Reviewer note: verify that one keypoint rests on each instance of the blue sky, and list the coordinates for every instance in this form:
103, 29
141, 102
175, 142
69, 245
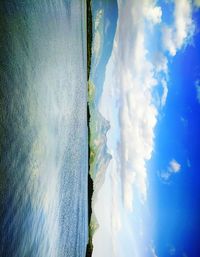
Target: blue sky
151, 97
177, 199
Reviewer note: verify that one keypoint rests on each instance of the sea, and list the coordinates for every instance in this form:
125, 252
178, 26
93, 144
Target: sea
43, 128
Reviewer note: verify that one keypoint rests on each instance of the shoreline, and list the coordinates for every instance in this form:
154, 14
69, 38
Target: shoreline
89, 248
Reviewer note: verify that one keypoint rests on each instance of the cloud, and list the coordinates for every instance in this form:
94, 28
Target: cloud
153, 14
165, 93
173, 167
127, 102
181, 31
160, 62
197, 85
98, 36
137, 116
165, 175
130, 78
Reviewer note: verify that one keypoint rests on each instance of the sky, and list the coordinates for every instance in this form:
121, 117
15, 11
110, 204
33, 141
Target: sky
149, 203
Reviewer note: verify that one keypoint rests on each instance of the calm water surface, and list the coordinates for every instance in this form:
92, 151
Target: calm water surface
43, 128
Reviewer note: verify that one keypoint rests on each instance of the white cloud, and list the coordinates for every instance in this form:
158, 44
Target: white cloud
197, 84
153, 14
131, 78
174, 166
98, 37
165, 175
177, 35
165, 92
128, 103
129, 81
161, 63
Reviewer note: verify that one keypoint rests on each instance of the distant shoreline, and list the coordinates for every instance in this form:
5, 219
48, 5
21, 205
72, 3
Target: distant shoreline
90, 182
89, 37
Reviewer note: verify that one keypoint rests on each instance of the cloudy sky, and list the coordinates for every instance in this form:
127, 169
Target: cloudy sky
148, 205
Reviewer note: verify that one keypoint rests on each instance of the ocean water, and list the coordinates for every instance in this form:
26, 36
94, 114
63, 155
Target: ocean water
43, 128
